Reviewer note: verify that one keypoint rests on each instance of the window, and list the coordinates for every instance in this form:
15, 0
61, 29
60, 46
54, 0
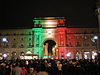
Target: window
22, 53
70, 44
30, 45
21, 46
37, 45
94, 44
22, 39
86, 44
85, 32
78, 44
29, 33
67, 45
29, 39
22, 34
14, 45
14, 34
5, 45
7, 34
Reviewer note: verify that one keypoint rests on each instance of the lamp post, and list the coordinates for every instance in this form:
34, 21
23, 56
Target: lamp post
4, 40
4, 56
95, 40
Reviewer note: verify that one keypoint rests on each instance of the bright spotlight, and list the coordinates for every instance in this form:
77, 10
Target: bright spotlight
4, 39
68, 54
95, 54
50, 22
95, 37
4, 55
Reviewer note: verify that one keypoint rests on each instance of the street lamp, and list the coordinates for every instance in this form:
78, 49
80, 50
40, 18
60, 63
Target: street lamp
95, 40
94, 54
4, 39
4, 55
95, 37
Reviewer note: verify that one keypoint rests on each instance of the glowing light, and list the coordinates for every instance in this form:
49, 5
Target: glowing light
94, 54
85, 56
38, 39
68, 54
53, 49
4, 55
28, 52
28, 57
22, 57
92, 40
86, 52
44, 57
4, 39
1, 58
95, 37
49, 33
50, 22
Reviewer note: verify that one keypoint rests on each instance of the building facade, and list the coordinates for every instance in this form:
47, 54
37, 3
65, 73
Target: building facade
50, 38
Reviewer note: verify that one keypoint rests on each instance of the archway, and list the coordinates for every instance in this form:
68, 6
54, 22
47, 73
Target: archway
49, 50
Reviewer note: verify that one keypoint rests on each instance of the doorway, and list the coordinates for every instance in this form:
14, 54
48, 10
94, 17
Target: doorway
49, 50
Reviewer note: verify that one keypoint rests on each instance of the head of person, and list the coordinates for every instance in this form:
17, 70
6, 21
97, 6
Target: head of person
42, 73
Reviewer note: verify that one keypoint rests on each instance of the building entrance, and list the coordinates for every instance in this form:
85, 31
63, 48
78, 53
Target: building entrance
49, 49
49, 28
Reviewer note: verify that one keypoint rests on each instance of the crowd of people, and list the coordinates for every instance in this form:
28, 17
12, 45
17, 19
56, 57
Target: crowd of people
50, 67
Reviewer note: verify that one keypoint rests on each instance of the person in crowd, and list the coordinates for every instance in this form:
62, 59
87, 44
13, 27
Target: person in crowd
7, 69
24, 71
2, 69
42, 73
41, 66
59, 66
16, 70
50, 67
31, 71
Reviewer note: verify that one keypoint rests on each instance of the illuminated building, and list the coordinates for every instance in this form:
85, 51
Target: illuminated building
68, 43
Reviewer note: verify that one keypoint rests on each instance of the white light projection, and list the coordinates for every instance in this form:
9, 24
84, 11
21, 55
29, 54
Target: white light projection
49, 33
50, 23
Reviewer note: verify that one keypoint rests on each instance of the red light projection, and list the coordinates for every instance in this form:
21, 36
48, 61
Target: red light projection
61, 41
61, 21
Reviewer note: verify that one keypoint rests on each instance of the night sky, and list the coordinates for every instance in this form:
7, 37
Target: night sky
19, 13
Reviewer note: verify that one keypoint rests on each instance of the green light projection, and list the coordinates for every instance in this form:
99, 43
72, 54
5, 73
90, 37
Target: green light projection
38, 40
37, 23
